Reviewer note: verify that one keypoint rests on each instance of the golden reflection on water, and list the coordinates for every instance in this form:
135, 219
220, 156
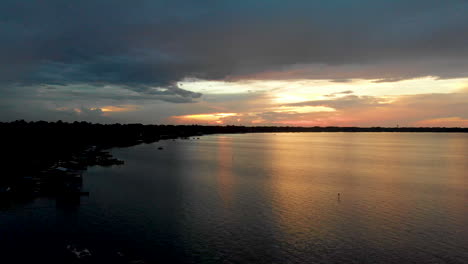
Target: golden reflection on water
296, 203
398, 191
388, 184
456, 173
224, 173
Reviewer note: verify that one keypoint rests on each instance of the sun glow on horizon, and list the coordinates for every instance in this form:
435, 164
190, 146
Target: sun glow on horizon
304, 109
205, 118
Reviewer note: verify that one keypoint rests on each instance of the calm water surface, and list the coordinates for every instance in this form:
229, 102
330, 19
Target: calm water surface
261, 198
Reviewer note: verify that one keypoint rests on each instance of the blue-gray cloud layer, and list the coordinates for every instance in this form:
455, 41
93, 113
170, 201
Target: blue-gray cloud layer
155, 43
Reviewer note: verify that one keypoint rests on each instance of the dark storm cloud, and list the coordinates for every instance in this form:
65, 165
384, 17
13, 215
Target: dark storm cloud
156, 43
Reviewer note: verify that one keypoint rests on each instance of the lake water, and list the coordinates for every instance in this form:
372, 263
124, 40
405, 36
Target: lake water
260, 198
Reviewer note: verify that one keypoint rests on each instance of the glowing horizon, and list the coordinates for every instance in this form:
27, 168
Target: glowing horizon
324, 102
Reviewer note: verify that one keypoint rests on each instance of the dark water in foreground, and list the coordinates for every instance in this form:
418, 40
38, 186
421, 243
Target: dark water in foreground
261, 198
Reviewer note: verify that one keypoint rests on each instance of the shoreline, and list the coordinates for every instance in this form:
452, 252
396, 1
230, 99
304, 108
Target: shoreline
45, 158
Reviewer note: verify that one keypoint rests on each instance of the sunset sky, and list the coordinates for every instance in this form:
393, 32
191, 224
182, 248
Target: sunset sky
243, 62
